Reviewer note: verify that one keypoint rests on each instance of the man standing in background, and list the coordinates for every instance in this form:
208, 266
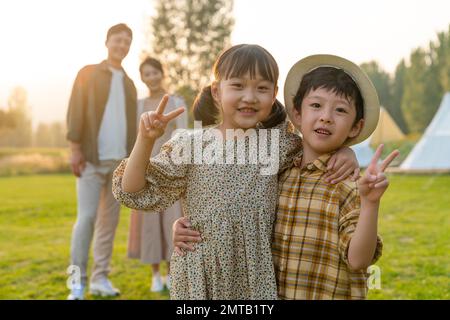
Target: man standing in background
101, 121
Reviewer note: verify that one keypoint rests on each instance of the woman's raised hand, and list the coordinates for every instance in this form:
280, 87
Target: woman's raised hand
153, 123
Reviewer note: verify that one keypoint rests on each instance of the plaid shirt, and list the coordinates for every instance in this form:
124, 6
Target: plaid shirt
315, 222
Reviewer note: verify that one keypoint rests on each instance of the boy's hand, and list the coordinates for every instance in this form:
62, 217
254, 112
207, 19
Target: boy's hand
182, 235
341, 165
374, 182
153, 123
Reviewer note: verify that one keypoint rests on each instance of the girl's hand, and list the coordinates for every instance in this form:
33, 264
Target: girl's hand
341, 165
374, 182
153, 123
182, 235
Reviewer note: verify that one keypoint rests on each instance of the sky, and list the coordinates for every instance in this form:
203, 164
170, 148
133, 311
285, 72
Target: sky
44, 43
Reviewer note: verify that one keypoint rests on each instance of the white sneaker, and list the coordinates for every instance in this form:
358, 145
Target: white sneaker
76, 293
157, 284
104, 288
168, 282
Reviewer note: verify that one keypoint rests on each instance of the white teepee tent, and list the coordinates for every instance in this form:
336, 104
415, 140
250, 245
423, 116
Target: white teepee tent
432, 152
364, 152
386, 130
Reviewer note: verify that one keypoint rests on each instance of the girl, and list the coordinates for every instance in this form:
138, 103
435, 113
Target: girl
150, 234
232, 205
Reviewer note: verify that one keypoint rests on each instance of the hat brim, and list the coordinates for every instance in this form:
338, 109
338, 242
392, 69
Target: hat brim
367, 89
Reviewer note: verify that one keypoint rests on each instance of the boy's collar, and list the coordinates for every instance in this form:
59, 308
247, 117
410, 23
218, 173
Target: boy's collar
320, 163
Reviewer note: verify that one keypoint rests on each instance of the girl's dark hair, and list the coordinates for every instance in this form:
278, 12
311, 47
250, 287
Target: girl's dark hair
151, 62
277, 115
236, 62
205, 110
335, 80
246, 58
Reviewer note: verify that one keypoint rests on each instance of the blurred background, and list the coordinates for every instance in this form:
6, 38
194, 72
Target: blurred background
404, 46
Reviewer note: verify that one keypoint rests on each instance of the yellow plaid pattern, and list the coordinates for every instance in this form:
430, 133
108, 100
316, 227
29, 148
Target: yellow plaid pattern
315, 222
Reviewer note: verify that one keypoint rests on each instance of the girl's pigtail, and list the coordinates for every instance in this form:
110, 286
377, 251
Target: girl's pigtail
277, 115
204, 108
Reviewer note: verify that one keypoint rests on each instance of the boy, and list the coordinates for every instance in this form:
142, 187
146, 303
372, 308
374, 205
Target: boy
101, 123
325, 235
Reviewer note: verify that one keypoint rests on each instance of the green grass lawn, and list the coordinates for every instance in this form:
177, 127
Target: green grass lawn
37, 214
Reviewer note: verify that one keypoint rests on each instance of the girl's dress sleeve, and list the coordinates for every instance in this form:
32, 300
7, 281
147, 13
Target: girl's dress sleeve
165, 178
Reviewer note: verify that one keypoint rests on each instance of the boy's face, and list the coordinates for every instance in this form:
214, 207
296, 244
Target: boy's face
118, 45
326, 121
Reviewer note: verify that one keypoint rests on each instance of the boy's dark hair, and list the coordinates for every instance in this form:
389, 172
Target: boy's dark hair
205, 110
335, 80
119, 28
152, 62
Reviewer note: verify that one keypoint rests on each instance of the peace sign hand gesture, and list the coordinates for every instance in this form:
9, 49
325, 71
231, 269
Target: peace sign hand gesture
153, 123
374, 182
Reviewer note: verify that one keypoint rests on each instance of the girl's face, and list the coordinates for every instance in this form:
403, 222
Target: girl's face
244, 101
152, 77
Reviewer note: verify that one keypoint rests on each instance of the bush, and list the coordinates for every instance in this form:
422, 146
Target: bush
17, 161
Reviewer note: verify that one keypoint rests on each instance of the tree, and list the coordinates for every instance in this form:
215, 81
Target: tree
6, 120
187, 36
17, 131
7, 125
50, 135
42, 136
57, 131
381, 80
386, 89
418, 112
426, 80
440, 59
398, 84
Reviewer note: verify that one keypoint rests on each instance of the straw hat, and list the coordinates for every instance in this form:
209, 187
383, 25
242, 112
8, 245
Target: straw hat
368, 91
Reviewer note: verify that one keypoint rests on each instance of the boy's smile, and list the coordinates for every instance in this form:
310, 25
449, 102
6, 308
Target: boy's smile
326, 121
323, 131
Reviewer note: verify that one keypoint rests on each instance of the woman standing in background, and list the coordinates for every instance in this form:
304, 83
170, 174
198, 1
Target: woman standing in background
150, 233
